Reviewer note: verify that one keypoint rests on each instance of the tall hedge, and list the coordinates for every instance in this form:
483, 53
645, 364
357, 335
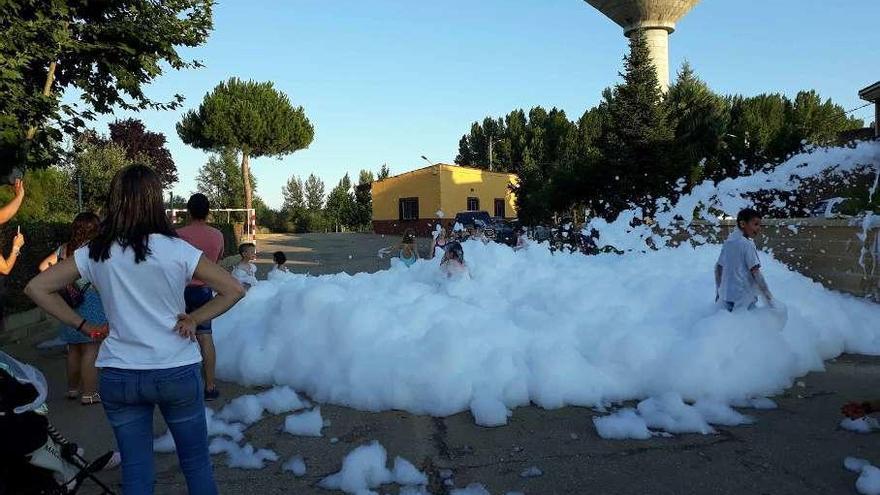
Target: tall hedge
43, 238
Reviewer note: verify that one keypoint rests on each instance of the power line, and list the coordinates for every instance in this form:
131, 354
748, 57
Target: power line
859, 108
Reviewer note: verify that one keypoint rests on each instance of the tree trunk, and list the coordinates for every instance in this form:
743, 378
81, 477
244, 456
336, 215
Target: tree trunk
246, 177
47, 90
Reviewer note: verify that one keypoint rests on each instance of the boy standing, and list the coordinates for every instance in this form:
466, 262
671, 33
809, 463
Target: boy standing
210, 241
738, 278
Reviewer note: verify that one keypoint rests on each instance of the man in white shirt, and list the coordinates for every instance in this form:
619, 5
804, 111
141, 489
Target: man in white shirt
738, 278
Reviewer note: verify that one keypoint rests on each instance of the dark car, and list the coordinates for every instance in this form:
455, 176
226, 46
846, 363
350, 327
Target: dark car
505, 232
496, 229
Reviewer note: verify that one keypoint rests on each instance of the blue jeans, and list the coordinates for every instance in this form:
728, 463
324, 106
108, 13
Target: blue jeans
195, 298
129, 398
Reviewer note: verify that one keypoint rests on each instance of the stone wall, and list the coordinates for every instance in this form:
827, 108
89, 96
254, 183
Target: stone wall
839, 253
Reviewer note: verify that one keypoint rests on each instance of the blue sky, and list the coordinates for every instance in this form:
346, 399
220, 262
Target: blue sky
386, 81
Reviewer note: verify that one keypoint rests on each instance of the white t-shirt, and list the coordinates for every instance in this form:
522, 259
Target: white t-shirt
245, 275
142, 301
738, 256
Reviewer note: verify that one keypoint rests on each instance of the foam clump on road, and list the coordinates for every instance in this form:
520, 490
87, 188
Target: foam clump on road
667, 414
241, 456
248, 409
365, 468
306, 424
868, 482
865, 424
296, 465
529, 326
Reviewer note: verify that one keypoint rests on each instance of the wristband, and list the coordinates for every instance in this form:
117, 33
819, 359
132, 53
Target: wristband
81, 325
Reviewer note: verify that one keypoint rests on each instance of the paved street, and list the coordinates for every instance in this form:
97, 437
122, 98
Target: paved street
795, 449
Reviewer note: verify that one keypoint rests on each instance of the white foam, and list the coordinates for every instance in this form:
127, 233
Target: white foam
306, 424
865, 424
362, 469
296, 465
405, 473
249, 409
621, 425
241, 456
869, 481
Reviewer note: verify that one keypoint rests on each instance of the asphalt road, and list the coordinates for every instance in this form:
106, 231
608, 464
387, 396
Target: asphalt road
795, 449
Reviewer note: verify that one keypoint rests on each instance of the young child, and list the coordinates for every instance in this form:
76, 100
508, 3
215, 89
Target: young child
453, 260
246, 271
280, 259
408, 250
738, 278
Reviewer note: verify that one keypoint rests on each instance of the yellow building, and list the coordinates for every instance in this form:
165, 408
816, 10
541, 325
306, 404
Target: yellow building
425, 197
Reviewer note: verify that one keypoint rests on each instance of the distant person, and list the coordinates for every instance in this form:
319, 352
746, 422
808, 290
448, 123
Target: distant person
407, 249
280, 260
521, 239
149, 356
246, 271
438, 245
82, 350
453, 260
8, 211
210, 242
738, 278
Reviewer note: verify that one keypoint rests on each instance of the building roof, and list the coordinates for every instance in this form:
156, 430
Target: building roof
447, 166
871, 93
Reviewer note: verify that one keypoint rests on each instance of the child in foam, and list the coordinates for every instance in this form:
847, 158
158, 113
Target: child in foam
408, 250
438, 245
453, 261
246, 271
738, 278
280, 260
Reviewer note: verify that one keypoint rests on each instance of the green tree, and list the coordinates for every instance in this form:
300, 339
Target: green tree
314, 193
637, 137
253, 118
50, 196
292, 192
363, 199
94, 165
220, 180
700, 119
99, 50
384, 172
340, 207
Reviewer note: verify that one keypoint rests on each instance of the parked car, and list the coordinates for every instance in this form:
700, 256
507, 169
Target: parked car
505, 232
478, 219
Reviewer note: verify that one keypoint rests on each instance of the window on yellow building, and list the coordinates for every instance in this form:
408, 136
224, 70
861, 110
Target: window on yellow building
473, 204
499, 208
408, 208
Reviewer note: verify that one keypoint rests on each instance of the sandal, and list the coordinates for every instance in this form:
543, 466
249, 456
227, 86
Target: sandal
72, 394
90, 399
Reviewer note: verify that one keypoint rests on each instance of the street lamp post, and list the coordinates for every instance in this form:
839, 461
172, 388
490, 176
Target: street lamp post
429, 161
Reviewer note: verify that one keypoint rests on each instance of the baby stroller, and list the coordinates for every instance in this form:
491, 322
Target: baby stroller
34, 457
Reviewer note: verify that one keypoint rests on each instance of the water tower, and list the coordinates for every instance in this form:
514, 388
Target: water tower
656, 17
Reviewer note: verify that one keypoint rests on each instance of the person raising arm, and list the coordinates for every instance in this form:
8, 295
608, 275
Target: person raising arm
7, 263
11, 208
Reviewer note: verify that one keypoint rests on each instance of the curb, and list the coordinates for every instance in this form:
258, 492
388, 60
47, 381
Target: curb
27, 325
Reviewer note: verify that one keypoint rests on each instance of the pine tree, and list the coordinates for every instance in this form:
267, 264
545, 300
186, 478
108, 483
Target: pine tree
384, 172
699, 119
314, 193
637, 136
363, 199
292, 192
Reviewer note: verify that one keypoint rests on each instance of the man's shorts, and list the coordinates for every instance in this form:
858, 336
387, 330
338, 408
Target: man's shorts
195, 298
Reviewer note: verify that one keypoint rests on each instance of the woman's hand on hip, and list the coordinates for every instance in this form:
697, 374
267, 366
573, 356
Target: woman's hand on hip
186, 326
